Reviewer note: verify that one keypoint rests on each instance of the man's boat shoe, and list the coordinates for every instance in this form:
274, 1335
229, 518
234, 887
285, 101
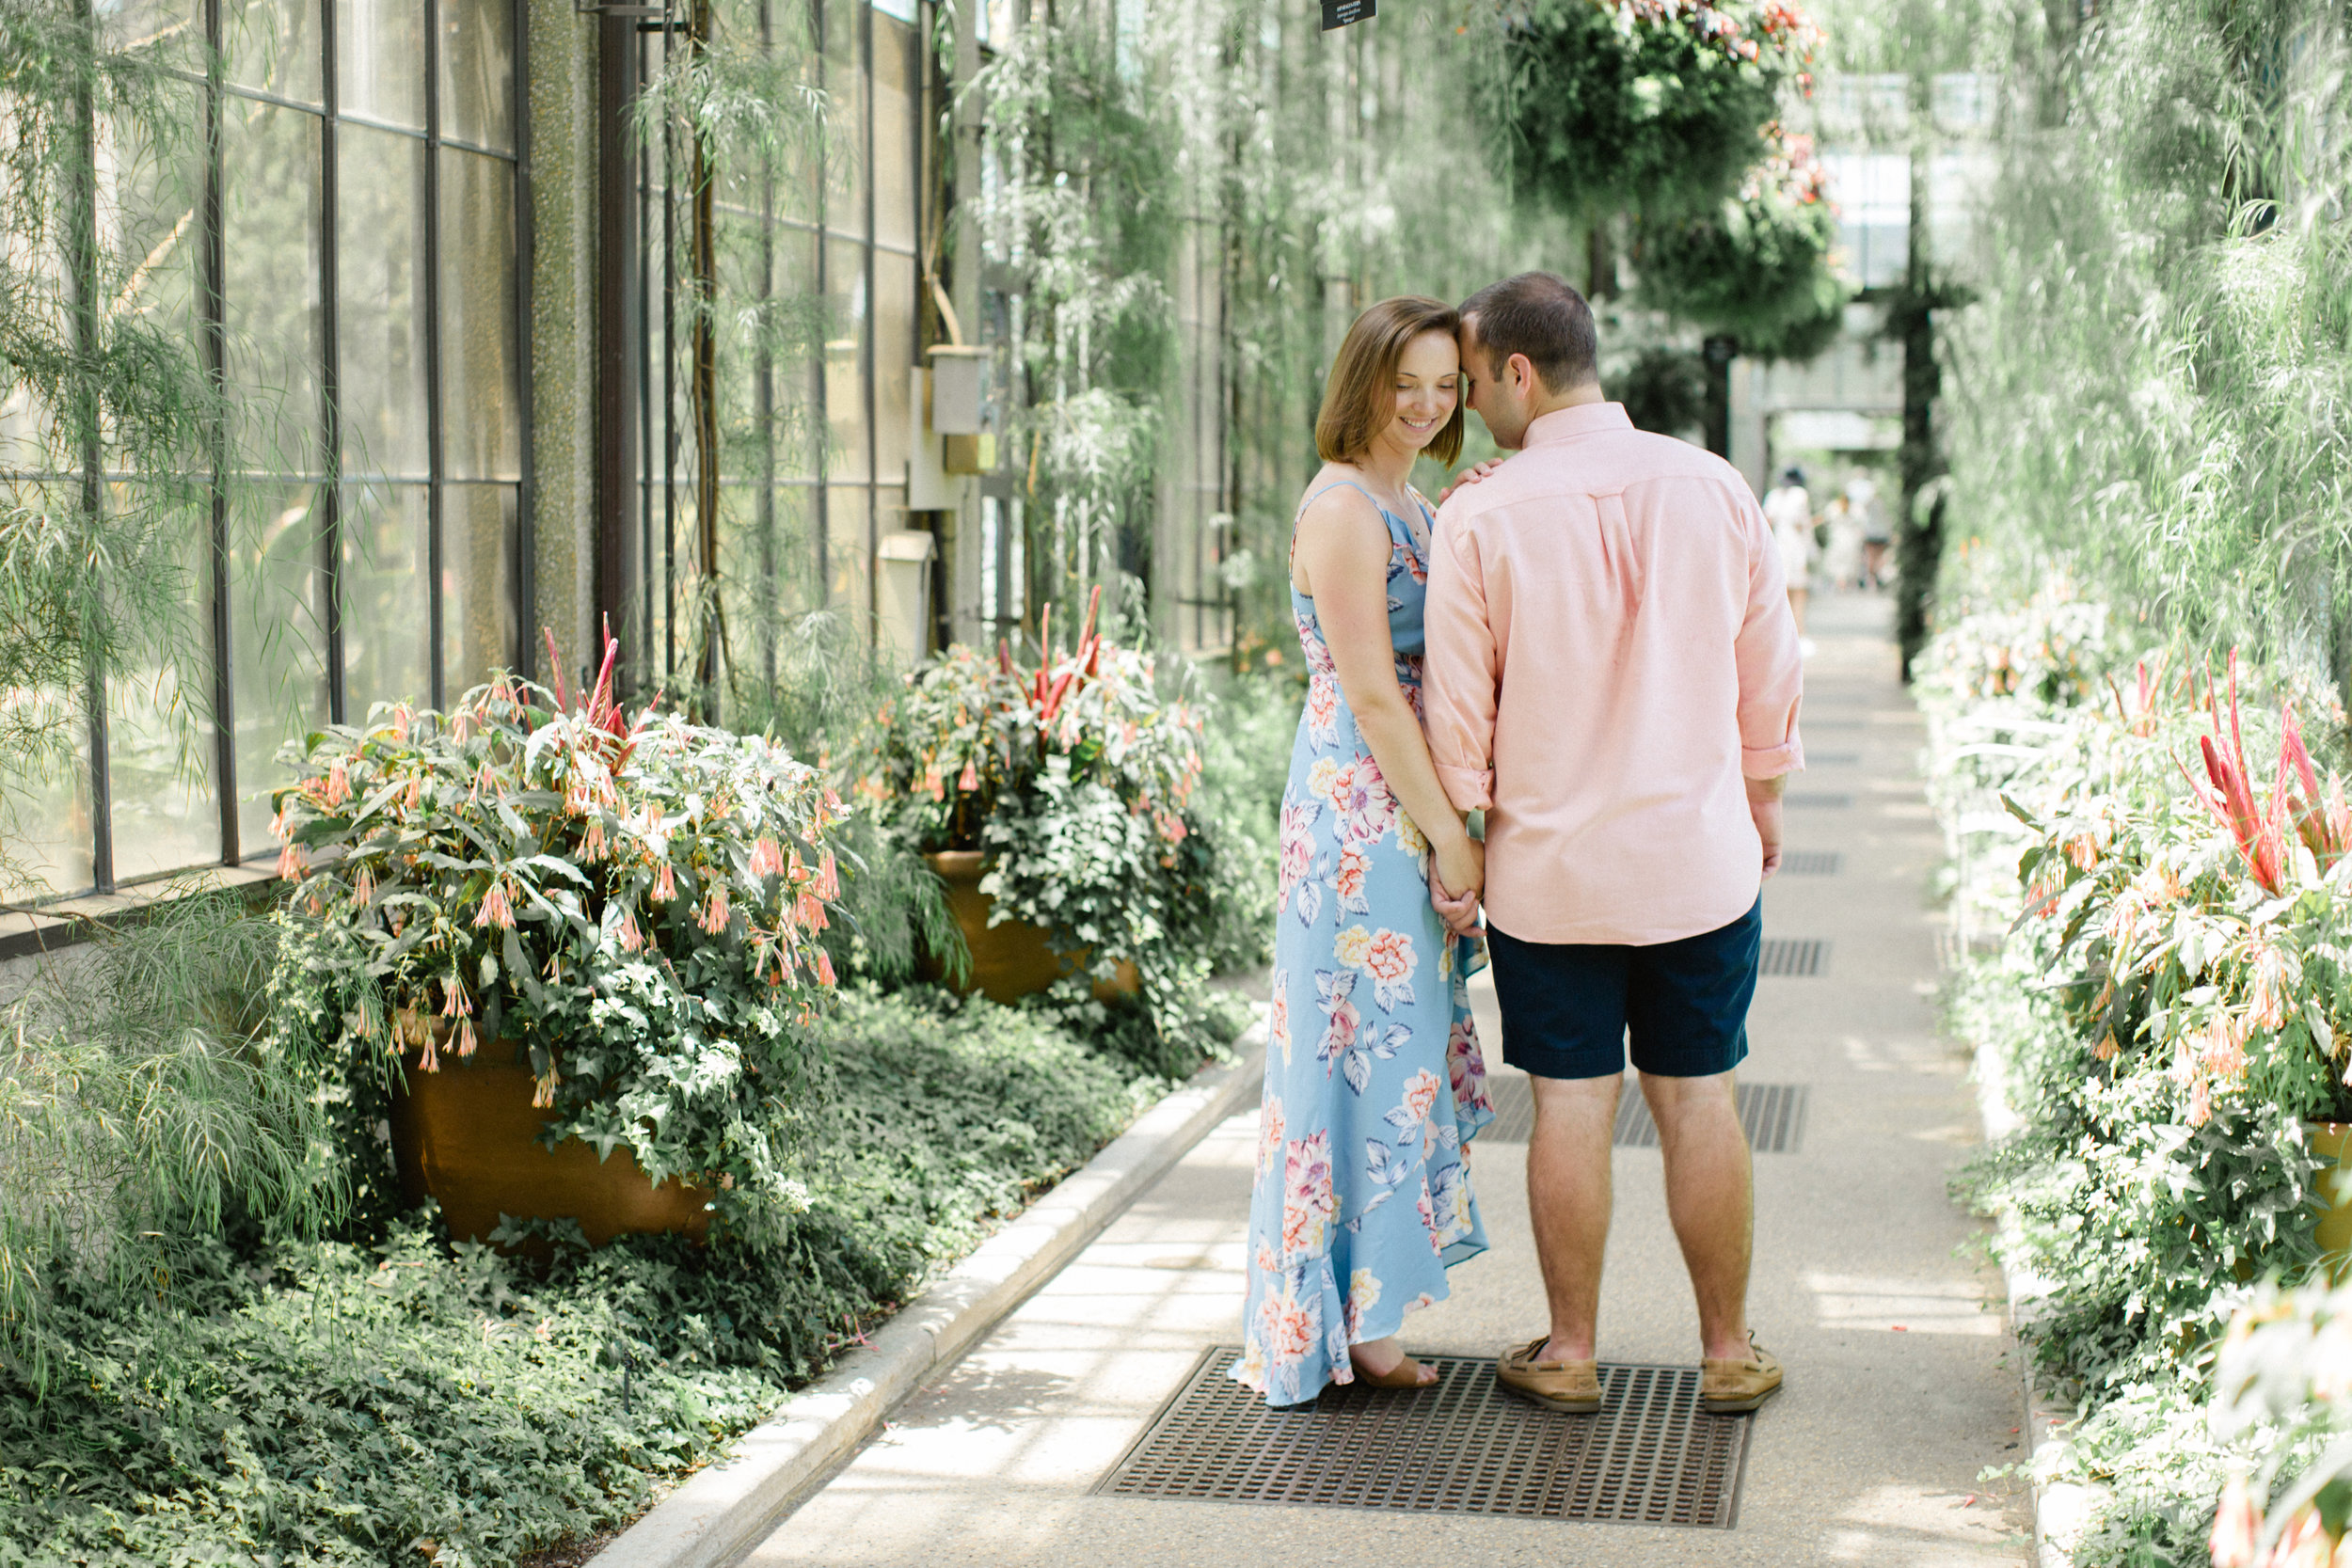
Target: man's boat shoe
1730, 1388
1571, 1385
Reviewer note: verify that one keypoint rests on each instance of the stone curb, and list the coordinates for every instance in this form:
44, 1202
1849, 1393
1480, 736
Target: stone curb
724, 1511
2060, 1510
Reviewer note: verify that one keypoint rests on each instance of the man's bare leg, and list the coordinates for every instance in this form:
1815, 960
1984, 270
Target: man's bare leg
1567, 1202
1710, 1198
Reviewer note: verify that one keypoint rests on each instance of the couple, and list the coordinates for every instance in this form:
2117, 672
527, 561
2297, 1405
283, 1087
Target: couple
1591, 644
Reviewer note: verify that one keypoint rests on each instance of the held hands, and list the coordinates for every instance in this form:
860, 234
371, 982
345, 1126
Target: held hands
1470, 476
1458, 877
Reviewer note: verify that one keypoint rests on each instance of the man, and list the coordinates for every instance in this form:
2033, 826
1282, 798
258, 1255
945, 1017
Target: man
1613, 677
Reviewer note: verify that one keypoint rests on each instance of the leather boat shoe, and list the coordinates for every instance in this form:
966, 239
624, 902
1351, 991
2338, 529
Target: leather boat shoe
1728, 1387
1571, 1385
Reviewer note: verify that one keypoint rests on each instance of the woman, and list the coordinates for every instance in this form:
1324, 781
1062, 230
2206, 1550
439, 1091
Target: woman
1789, 508
1373, 1079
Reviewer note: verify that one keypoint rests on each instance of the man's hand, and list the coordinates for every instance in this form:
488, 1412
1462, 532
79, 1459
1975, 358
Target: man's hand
1470, 476
1764, 810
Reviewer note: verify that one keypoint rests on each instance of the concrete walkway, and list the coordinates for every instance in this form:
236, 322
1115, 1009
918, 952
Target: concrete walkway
1902, 1383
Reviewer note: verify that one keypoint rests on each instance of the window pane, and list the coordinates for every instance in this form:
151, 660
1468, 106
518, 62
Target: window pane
845, 95
477, 583
848, 550
895, 53
44, 770
846, 456
894, 360
270, 245
387, 622
798, 349
272, 46
480, 405
278, 635
159, 752
379, 267
379, 61
478, 73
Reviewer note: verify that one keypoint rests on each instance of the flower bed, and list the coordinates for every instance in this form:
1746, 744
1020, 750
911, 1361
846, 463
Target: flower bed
2150, 869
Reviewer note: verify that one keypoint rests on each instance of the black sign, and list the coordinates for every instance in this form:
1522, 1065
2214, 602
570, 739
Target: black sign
1341, 13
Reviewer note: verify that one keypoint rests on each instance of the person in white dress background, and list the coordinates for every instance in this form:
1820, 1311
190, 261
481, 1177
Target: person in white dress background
1788, 509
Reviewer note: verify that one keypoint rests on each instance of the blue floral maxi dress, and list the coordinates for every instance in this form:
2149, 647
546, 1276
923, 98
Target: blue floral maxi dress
1373, 1079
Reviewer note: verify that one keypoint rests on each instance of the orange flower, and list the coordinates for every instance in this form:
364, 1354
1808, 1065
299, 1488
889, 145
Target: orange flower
665, 885
2236, 1525
824, 967
714, 917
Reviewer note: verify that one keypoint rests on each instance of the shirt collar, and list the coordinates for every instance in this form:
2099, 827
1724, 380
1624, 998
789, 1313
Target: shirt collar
1585, 419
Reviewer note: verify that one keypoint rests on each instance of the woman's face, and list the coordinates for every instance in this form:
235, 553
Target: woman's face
1428, 386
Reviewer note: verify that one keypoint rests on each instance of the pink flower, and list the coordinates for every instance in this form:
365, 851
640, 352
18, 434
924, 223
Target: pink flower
1307, 1202
1287, 1324
631, 938
714, 915
1466, 1066
665, 885
1390, 957
1298, 849
338, 783
828, 880
1278, 1029
969, 779
1323, 710
1355, 866
496, 909
1269, 1131
2200, 1102
767, 859
2236, 1525
1421, 1094
824, 967
292, 862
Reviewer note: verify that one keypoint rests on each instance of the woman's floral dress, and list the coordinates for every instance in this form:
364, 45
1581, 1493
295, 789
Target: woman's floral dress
1374, 1081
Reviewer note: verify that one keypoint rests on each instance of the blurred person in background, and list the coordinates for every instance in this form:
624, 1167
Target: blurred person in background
1789, 511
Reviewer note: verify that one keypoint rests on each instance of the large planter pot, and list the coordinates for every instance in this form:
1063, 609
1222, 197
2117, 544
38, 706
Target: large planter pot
2332, 1142
467, 1135
1014, 959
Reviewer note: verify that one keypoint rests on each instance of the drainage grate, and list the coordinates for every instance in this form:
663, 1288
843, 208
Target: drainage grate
1817, 801
1812, 723
1812, 862
1771, 1115
1793, 956
1833, 759
1463, 1445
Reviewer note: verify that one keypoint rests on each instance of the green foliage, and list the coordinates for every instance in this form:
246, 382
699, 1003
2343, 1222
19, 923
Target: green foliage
1663, 389
1757, 267
1606, 106
139, 1109
325, 1402
634, 904
2156, 380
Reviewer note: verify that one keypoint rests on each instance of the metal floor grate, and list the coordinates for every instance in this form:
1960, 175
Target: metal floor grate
1833, 759
1814, 799
1463, 1445
1812, 722
1812, 862
1802, 956
1771, 1115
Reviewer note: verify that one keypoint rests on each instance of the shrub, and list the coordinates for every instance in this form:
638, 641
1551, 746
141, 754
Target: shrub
633, 904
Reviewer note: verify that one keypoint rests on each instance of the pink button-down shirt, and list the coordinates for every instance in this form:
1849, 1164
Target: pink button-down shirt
1610, 650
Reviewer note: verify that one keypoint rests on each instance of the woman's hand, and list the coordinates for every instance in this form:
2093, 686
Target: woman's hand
1457, 879
1470, 476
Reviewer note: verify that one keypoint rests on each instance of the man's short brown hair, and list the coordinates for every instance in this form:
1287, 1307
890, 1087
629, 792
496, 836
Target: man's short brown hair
1359, 396
1541, 315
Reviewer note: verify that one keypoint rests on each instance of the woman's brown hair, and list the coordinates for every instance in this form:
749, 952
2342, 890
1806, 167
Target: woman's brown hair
1359, 398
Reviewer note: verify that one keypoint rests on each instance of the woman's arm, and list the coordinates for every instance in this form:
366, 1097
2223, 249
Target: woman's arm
1343, 552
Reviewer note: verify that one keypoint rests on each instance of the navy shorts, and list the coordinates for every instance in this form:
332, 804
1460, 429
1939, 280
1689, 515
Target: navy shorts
1569, 1007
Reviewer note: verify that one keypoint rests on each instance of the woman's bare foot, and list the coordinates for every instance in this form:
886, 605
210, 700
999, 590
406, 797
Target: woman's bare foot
1379, 1358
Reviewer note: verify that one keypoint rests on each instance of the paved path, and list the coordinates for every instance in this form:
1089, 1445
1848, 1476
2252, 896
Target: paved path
1901, 1383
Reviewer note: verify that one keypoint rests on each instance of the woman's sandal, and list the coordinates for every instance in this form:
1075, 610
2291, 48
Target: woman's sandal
1405, 1374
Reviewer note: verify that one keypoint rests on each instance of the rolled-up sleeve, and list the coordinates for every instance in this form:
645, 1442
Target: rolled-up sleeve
1770, 663
1462, 669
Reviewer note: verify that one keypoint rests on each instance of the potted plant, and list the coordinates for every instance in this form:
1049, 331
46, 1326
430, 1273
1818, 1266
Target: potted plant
1055, 801
587, 942
1755, 266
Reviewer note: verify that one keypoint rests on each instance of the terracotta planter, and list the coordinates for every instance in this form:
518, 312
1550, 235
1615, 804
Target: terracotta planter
2332, 1142
467, 1135
1014, 959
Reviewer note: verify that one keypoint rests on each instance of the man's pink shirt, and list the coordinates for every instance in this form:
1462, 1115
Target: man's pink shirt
1610, 650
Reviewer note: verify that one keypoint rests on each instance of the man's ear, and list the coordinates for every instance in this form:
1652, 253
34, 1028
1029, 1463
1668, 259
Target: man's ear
1522, 371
